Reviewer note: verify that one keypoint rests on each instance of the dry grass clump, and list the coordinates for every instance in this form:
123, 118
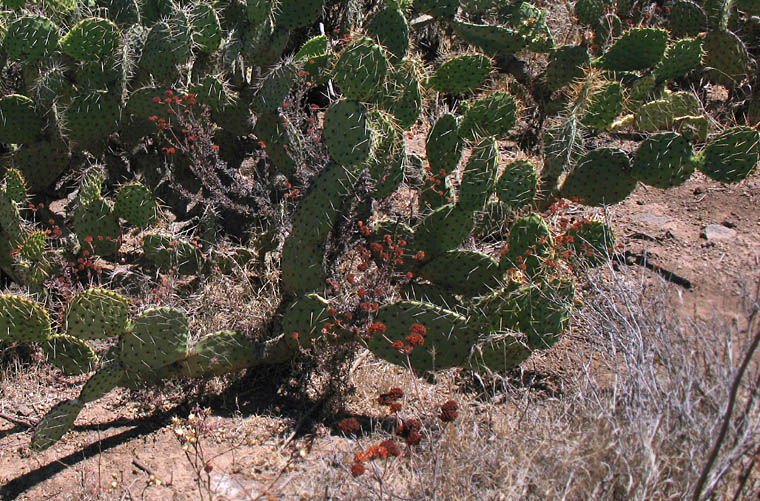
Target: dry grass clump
637, 420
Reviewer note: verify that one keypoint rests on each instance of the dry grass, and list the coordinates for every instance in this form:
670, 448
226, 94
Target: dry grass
636, 412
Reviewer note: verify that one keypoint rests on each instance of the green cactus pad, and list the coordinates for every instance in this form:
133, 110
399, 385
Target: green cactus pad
71, 355
491, 39
167, 46
97, 228
479, 175
432, 294
437, 8
91, 185
402, 97
591, 241
42, 163
207, 29
316, 212
530, 243
540, 311
686, 19
566, 65
147, 102
398, 233
361, 69
437, 191
447, 338
315, 46
159, 336
104, 380
463, 272
444, 146
22, 320
295, 14
259, 11
304, 320
461, 74
601, 177
221, 353
695, 129
390, 29
15, 186
638, 49
443, 229
91, 39
167, 253
19, 121
664, 160
518, 184
663, 113
301, 265
123, 12
55, 424
92, 116
275, 88
681, 58
604, 106
31, 39
346, 134
136, 204
33, 247
725, 58
498, 352
588, 12
491, 115
731, 156
279, 140
97, 314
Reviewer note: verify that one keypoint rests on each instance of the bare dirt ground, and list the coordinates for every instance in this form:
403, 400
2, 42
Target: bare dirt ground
253, 444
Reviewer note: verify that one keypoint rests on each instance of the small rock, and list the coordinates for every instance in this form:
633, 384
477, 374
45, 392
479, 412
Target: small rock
651, 219
728, 224
717, 232
698, 190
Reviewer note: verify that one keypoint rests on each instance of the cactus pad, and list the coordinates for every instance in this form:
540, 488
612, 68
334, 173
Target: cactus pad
207, 29
447, 339
158, 337
346, 133
444, 146
463, 271
55, 424
136, 204
518, 184
295, 14
565, 65
19, 121
601, 177
96, 227
638, 49
97, 314
92, 116
682, 57
91, 39
498, 352
104, 380
479, 175
732, 155
22, 320
726, 59
361, 69
491, 115
390, 29
304, 320
604, 106
591, 241
461, 74
664, 160
686, 19
72, 355
530, 242
31, 39
443, 229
